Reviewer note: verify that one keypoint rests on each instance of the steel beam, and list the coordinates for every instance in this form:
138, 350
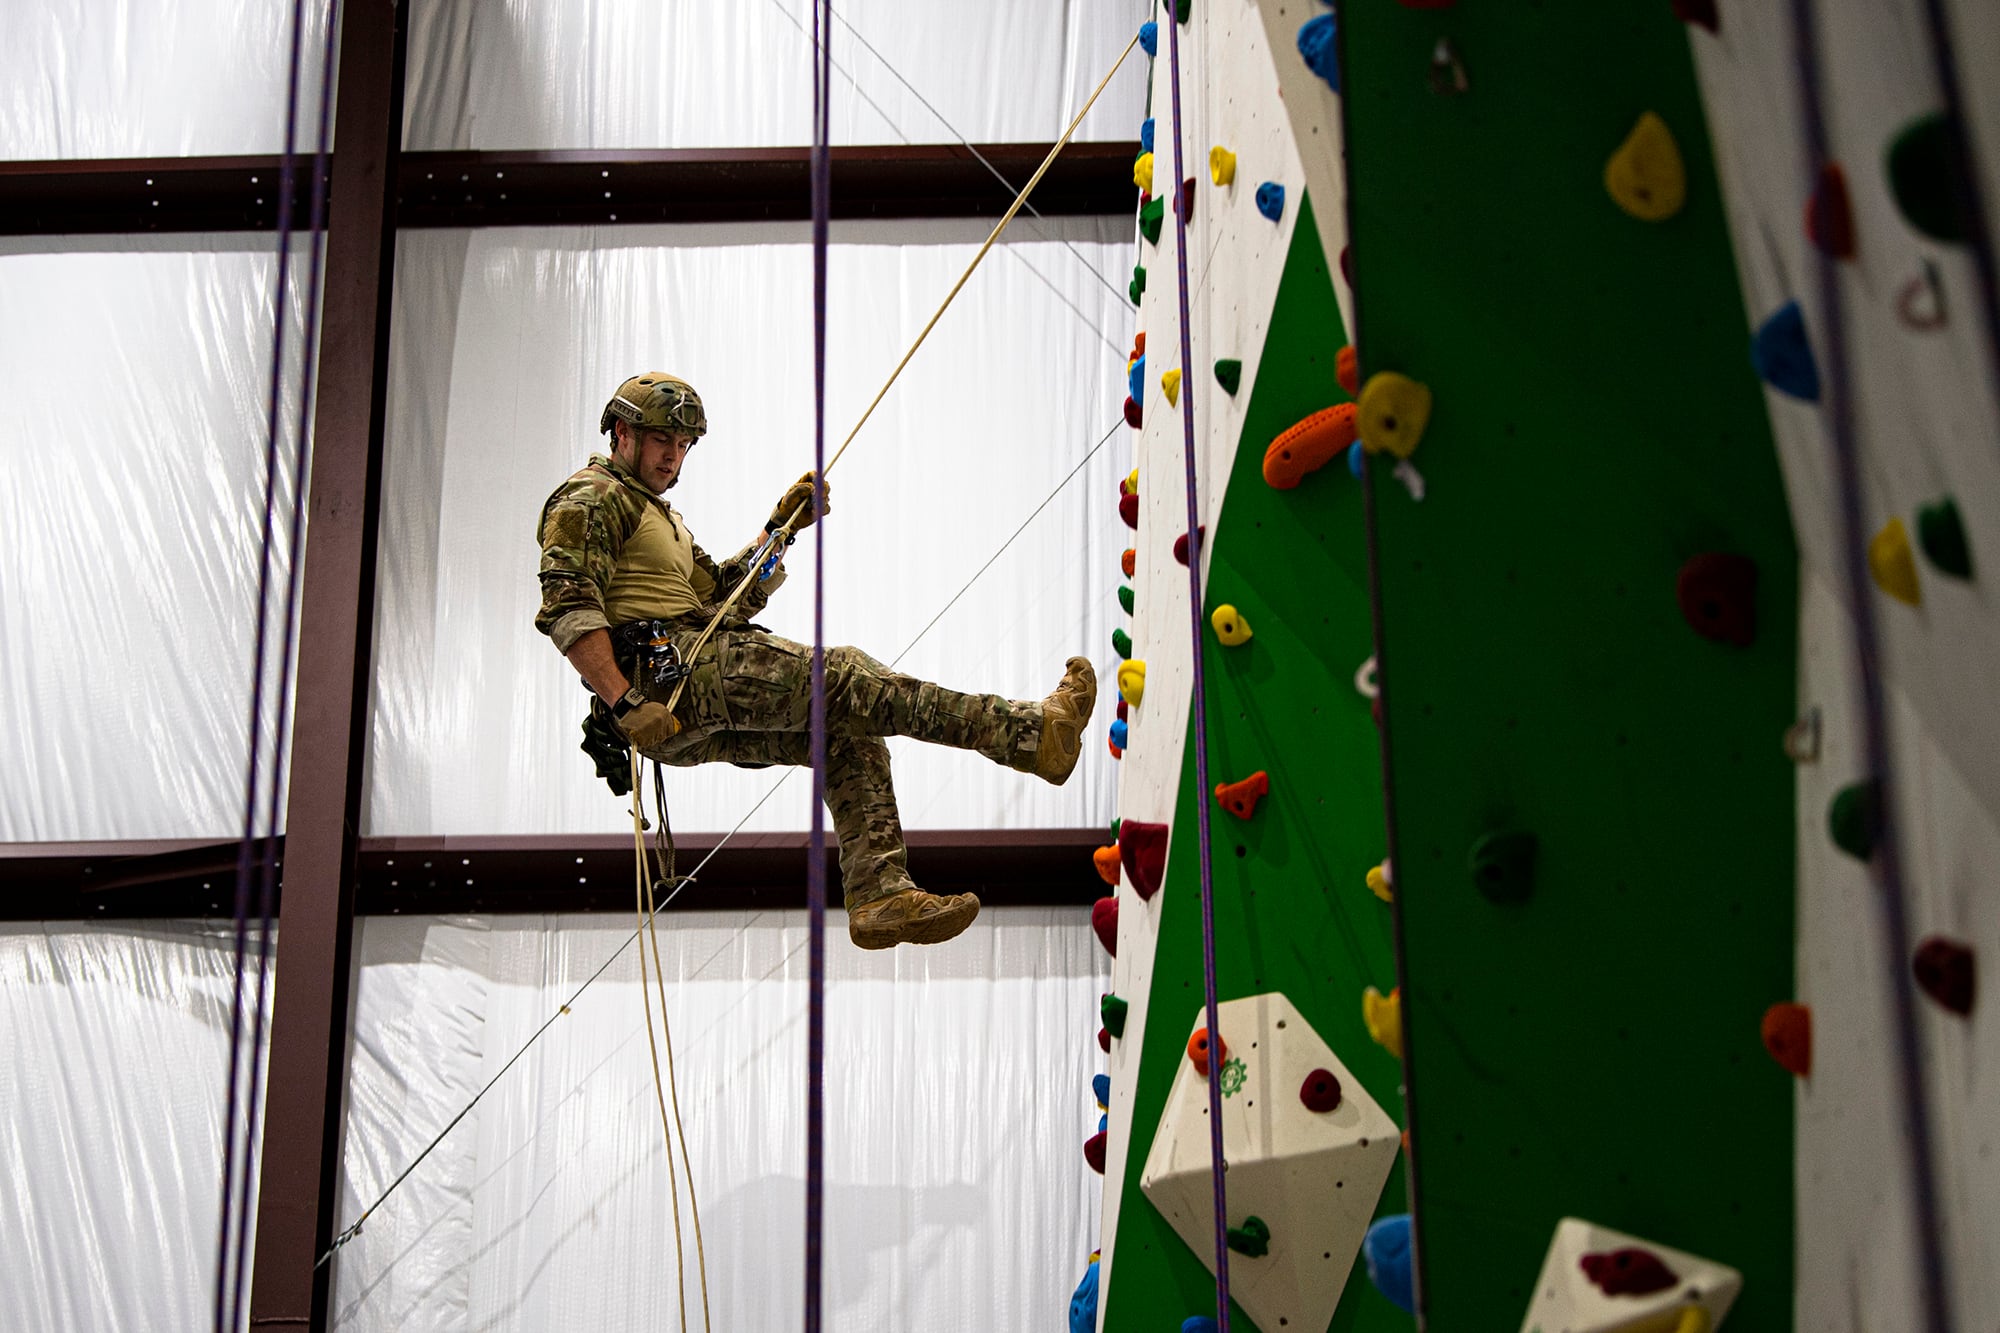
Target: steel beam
614, 188
306, 1084
192, 878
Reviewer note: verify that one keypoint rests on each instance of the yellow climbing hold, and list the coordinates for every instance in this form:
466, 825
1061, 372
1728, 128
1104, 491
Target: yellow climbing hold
1645, 176
1392, 413
1142, 173
1170, 385
1221, 165
1694, 1319
1230, 626
1894, 564
1380, 884
1132, 682
1130, 486
1384, 1016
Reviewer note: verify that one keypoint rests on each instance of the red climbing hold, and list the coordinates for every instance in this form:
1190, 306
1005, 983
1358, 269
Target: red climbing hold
1346, 266
1628, 1272
1093, 1151
1107, 863
1944, 972
1309, 445
1139, 343
1829, 215
1124, 711
1104, 920
1185, 204
1698, 11
1128, 509
1240, 798
1144, 847
1198, 1051
1347, 369
1180, 543
1104, 1040
1133, 417
1788, 1037
1320, 1091
1128, 561
1717, 591
1117, 751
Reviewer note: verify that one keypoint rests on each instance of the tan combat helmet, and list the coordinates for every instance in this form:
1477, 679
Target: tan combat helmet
656, 401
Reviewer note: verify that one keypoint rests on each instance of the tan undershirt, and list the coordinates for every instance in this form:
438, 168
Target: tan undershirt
656, 577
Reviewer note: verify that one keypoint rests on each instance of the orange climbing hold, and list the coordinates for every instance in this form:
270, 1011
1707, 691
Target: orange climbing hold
1240, 798
1788, 1037
1128, 561
1106, 860
1309, 445
1198, 1051
1347, 369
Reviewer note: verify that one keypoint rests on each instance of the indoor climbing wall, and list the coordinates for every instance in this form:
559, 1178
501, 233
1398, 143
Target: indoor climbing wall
1312, 1109
1589, 630
1922, 375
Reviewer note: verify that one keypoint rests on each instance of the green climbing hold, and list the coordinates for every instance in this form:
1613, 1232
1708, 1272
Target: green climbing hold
1923, 176
1138, 287
1252, 1238
1152, 214
1125, 597
1122, 642
1855, 819
1116, 824
1503, 866
1941, 533
1229, 374
1180, 8
1112, 1010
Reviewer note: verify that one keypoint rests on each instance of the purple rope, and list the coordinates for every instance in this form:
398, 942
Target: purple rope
822, 205
1200, 708
228, 1314
301, 456
1887, 859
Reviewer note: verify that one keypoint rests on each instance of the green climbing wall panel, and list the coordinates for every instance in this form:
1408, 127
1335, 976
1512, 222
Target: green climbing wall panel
1292, 911
1594, 1050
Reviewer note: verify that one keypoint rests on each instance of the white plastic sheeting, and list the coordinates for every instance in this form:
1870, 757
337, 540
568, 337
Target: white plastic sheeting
151, 78
738, 73
506, 345
136, 380
958, 1098
115, 1039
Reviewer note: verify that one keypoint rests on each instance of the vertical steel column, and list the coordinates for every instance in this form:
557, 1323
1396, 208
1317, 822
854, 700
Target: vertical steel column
309, 1034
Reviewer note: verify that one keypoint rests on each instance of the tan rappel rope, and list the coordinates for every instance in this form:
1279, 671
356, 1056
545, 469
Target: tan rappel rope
642, 892
643, 885
785, 529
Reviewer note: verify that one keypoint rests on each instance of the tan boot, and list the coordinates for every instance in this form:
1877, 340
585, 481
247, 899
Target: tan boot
910, 917
1064, 716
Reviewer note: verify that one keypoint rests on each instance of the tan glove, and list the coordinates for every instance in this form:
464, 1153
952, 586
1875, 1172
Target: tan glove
646, 723
800, 494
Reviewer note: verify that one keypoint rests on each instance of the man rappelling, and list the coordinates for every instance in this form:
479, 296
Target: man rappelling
626, 596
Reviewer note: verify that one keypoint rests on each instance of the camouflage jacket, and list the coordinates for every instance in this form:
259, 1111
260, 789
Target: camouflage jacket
582, 532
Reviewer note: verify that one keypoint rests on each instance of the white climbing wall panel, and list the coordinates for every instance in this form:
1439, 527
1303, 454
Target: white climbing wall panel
1567, 1301
1929, 426
1312, 1177
1230, 97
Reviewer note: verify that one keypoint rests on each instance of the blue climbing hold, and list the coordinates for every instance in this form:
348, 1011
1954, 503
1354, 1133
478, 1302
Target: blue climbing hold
1146, 136
1119, 731
1083, 1305
1782, 355
1271, 200
1199, 1323
1135, 379
1316, 44
1103, 1123
1354, 459
1149, 37
1100, 1088
1386, 1247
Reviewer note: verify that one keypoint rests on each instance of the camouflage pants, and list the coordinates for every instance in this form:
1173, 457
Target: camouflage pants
749, 701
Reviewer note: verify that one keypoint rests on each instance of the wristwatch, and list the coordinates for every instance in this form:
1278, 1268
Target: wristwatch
630, 700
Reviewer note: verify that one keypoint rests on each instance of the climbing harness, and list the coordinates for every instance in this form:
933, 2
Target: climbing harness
246, 1069
1217, 1163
